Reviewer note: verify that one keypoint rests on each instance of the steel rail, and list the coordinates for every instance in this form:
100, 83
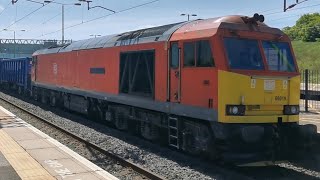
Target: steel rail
122, 161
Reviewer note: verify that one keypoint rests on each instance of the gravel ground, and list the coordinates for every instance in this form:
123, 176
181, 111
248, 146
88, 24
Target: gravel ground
161, 160
89, 153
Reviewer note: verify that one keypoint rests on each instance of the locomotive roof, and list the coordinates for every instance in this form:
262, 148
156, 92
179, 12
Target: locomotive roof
156, 34
160, 33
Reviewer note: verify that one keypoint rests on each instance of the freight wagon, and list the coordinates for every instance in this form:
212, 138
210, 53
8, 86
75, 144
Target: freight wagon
16, 74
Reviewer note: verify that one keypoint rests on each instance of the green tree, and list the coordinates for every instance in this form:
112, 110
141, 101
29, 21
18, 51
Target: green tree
307, 28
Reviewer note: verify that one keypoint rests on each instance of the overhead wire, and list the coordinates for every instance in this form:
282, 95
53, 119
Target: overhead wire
285, 17
268, 10
47, 20
101, 17
50, 19
294, 15
5, 8
291, 16
24, 17
304, 7
35, 2
127, 9
137, 6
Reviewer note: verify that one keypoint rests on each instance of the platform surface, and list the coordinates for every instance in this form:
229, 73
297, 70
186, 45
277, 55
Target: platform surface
6, 170
29, 154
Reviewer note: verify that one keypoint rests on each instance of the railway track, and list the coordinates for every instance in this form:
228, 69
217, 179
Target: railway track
307, 170
137, 168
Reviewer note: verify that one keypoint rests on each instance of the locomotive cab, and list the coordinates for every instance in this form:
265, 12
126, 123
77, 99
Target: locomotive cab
259, 92
248, 90
261, 80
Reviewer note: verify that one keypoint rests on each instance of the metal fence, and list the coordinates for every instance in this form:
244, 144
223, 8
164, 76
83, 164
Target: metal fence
310, 90
14, 48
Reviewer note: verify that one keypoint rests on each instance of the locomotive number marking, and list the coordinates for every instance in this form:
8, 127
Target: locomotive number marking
55, 68
280, 98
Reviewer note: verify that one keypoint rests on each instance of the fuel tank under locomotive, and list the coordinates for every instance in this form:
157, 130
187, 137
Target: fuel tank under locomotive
262, 144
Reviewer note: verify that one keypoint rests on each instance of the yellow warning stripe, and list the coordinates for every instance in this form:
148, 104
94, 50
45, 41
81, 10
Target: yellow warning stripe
26, 167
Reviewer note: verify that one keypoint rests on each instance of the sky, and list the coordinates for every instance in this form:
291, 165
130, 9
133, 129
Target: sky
32, 20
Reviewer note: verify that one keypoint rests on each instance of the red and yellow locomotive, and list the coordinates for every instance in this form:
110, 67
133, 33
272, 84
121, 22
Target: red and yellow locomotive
226, 86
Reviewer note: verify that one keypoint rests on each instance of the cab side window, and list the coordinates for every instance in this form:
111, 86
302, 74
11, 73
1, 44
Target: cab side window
198, 54
189, 54
204, 55
174, 58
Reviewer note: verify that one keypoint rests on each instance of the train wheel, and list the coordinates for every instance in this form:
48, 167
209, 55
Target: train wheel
120, 121
149, 131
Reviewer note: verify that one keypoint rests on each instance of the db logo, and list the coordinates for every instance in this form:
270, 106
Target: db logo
55, 68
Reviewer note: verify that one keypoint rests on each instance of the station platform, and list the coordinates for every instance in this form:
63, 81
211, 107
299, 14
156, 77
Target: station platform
6, 170
27, 153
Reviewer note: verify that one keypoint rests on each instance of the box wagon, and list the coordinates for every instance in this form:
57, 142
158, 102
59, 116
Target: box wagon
15, 73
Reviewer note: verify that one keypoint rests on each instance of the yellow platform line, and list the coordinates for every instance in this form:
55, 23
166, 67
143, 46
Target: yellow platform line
25, 166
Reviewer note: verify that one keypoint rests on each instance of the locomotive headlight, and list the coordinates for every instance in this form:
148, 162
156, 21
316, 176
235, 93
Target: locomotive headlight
291, 109
235, 110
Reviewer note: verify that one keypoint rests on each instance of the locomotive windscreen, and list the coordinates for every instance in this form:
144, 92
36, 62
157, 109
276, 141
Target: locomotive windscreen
278, 56
243, 54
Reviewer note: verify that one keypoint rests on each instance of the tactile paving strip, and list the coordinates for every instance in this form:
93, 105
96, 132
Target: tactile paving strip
26, 167
23, 142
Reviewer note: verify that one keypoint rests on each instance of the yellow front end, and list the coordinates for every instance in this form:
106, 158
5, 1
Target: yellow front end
264, 97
